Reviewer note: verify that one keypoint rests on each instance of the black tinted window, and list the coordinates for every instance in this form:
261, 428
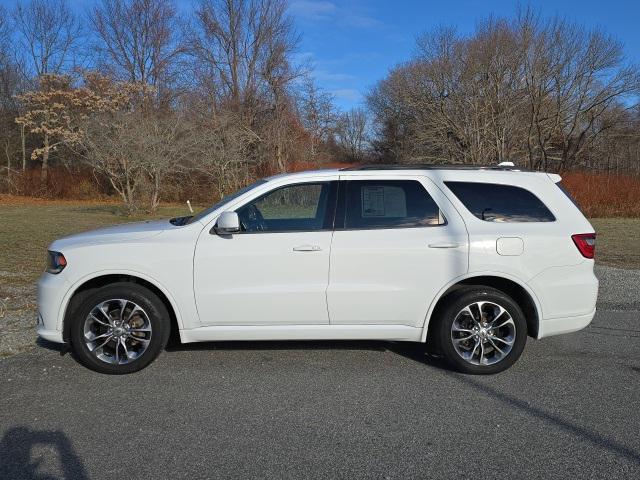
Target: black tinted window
389, 203
301, 207
500, 203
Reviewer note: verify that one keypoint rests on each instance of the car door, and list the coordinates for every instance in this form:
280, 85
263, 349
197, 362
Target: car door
275, 271
397, 242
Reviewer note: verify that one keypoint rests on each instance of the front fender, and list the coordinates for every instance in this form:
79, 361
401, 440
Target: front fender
64, 304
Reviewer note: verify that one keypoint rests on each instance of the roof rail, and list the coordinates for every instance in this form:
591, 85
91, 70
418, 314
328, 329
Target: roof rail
506, 166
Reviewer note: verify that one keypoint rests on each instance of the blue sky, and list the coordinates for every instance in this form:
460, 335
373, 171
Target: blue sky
352, 43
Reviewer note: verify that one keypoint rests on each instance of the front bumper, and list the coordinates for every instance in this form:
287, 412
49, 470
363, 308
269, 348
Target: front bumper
51, 292
50, 335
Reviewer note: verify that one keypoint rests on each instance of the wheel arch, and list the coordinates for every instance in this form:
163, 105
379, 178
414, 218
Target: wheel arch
511, 286
88, 284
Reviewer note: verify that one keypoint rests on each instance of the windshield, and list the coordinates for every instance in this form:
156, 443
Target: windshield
224, 200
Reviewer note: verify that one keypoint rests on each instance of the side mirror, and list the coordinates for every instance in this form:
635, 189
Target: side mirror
228, 223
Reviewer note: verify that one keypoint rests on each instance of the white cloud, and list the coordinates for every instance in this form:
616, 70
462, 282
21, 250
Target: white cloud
363, 21
321, 10
347, 94
331, 76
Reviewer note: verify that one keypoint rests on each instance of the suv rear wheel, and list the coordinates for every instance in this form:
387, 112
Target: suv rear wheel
119, 328
481, 331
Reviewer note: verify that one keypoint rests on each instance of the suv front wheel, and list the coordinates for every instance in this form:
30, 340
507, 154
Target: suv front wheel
481, 330
119, 328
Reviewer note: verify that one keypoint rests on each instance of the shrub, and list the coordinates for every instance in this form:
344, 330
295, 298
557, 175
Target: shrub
603, 195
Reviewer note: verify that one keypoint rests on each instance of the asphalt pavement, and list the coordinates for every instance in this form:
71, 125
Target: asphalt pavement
569, 408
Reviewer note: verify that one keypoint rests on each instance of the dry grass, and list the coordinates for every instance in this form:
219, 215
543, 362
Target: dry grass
601, 195
29, 225
617, 241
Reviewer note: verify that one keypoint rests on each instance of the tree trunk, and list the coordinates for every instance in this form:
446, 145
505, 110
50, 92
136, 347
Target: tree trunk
155, 196
24, 151
6, 151
44, 173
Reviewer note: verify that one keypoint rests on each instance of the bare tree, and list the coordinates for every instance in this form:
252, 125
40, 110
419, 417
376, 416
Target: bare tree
317, 112
162, 144
539, 91
352, 133
222, 152
48, 31
138, 39
242, 50
111, 133
575, 81
9, 88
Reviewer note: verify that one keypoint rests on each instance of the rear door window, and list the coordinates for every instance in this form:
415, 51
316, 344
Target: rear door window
388, 204
493, 202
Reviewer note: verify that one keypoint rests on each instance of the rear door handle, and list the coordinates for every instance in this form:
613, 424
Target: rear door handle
307, 248
444, 245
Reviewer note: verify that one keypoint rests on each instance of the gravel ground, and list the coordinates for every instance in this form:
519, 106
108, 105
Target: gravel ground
619, 288
17, 313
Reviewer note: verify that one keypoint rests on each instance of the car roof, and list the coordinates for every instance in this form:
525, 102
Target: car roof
444, 172
410, 166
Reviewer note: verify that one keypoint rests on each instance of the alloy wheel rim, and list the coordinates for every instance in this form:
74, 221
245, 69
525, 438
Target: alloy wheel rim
117, 331
483, 333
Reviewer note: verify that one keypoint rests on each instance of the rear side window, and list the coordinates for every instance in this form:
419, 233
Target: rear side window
493, 202
389, 204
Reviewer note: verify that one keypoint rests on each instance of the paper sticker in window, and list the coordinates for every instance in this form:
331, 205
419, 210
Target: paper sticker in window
372, 201
395, 202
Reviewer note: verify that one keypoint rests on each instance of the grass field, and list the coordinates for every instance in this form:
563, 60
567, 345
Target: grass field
27, 226
618, 241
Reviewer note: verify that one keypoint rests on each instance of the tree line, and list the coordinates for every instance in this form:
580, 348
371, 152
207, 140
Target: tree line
144, 96
545, 93
157, 104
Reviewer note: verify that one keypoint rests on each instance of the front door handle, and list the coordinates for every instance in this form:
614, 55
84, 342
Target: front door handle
307, 248
444, 245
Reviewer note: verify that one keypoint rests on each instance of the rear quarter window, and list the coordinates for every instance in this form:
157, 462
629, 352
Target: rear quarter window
494, 202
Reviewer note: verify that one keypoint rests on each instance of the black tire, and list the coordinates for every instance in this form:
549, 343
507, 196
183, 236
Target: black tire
462, 298
154, 309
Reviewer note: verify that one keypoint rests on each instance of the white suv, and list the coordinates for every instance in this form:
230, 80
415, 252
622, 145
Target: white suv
468, 260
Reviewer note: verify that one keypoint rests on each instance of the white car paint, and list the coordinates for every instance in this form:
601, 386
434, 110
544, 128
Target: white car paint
388, 276
342, 284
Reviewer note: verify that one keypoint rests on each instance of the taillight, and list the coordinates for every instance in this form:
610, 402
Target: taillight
586, 243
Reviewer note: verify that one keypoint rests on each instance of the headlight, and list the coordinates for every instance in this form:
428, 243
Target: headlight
56, 262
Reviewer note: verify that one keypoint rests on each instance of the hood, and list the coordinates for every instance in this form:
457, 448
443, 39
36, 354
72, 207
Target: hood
117, 233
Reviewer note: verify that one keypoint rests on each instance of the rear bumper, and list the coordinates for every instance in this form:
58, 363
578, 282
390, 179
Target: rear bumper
568, 291
558, 326
567, 296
